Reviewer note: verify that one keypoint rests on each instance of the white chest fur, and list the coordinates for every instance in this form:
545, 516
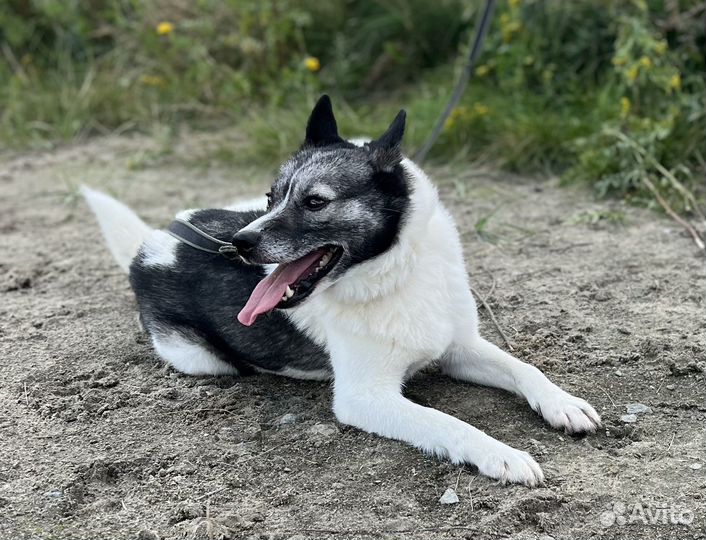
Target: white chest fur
408, 298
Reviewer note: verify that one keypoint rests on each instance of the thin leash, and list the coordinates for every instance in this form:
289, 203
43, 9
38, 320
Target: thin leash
478, 40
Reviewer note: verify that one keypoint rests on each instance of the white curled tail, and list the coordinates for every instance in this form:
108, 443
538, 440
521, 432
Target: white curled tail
123, 231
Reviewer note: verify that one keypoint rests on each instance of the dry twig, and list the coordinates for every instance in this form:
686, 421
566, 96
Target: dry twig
492, 318
676, 217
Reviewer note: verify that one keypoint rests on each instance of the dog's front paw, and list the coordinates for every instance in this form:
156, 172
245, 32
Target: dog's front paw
564, 411
507, 464
499, 461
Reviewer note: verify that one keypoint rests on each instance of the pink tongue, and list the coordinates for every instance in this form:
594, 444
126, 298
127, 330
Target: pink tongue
271, 289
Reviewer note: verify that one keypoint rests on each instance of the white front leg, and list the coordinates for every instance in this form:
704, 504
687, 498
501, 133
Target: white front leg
476, 360
368, 380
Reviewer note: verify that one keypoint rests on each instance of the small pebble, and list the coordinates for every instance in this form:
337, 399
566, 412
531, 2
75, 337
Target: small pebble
287, 419
628, 418
449, 497
670, 387
695, 466
637, 408
323, 430
618, 373
167, 393
145, 534
602, 296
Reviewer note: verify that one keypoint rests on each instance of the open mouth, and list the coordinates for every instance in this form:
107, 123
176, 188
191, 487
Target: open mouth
290, 283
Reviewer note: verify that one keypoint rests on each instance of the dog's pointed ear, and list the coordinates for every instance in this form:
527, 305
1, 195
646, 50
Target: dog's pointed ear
386, 151
321, 129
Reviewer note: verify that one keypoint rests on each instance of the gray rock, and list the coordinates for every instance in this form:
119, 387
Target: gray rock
323, 431
146, 534
187, 511
637, 408
287, 419
167, 393
628, 418
449, 497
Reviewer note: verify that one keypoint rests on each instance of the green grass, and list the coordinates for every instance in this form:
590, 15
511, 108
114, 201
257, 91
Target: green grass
609, 97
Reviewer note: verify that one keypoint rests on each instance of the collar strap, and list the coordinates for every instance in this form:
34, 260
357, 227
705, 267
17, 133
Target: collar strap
192, 236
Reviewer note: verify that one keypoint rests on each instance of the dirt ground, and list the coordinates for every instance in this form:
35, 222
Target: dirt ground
100, 440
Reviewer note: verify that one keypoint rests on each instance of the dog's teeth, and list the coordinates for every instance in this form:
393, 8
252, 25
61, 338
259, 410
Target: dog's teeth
289, 292
284, 299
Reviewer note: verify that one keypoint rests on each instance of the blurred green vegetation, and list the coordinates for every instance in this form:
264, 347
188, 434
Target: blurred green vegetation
608, 92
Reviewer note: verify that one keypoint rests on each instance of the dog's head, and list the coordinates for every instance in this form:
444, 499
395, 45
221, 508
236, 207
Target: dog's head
333, 205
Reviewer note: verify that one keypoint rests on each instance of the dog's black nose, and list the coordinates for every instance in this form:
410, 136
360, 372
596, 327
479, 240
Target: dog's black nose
245, 241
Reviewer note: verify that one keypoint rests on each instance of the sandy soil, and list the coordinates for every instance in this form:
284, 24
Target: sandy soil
99, 440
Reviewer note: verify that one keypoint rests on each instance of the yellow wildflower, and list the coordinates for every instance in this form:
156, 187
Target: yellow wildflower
646, 62
625, 107
480, 109
312, 64
164, 28
675, 81
509, 30
632, 73
514, 3
661, 47
460, 112
482, 71
152, 80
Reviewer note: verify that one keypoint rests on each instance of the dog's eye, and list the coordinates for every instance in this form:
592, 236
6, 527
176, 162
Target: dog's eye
269, 199
315, 203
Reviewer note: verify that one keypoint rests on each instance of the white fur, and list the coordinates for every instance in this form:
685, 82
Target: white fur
324, 191
360, 141
293, 373
185, 215
256, 203
123, 231
189, 357
159, 249
392, 315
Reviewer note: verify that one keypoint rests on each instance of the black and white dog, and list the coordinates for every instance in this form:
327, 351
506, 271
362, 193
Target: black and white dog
353, 271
